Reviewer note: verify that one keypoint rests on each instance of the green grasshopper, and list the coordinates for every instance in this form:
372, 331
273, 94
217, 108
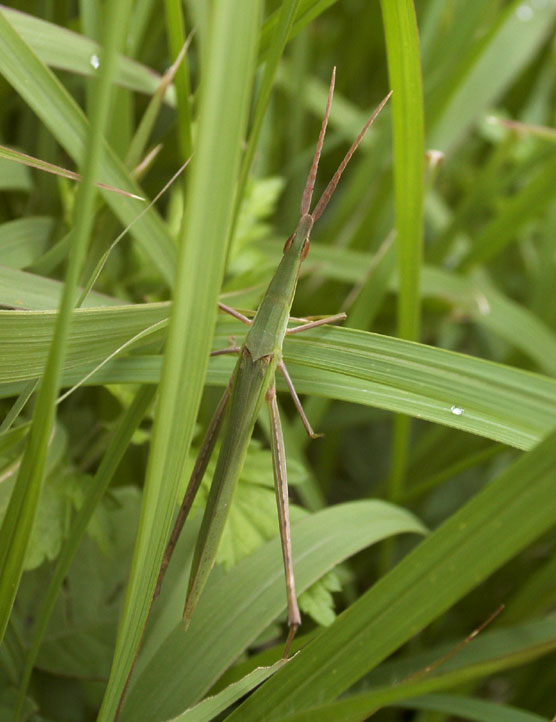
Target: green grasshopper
252, 383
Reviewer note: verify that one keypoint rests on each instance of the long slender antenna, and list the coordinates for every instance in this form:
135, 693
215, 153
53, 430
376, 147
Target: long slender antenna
310, 184
331, 187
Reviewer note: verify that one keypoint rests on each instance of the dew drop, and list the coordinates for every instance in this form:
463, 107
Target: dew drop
456, 410
524, 12
95, 61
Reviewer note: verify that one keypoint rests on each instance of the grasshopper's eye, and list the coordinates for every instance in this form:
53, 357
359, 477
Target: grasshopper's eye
305, 250
288, 243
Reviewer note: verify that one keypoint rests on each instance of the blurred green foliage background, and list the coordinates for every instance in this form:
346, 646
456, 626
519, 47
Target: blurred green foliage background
433, 488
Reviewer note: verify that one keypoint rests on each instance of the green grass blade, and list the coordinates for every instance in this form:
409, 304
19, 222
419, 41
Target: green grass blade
86, 329
307, 11
20, 514
21, 289
477, 710
457, 385
402, 45
227, 72
279, 38
48, 98
517, 210
22, 241
112, 457
404, 68
466, 549
64, 49
175, 29
237, 607
507, 48
490, 653
492, 400
209, 708
472, 296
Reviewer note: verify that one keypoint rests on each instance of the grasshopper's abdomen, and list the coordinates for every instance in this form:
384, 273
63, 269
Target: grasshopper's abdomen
251, 381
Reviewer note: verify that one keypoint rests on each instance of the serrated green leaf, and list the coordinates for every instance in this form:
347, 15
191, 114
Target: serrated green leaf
55, 501
317, 600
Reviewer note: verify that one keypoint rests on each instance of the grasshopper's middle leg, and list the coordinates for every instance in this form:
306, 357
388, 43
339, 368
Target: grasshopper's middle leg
281, 486
284, 370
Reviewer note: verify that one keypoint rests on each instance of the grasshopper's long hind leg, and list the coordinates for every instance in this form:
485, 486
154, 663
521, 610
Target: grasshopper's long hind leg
281, 486
195, 480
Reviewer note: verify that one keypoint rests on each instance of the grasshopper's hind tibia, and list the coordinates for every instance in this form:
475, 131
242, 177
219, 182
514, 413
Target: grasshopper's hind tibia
282, 501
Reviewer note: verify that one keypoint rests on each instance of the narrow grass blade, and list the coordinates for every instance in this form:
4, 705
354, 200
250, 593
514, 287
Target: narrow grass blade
227, 72
472, 296
402, 46
175, 29
503, 53
64, 49
492, 400
506, 516
307, 11
404, 68
24, 159
478, 710
240, 605
392, 683
113, 455
280, 36
51, 102
19, 517
209, 708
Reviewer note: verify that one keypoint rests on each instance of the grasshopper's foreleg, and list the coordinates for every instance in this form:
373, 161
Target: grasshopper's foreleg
233, 347
195, 480
281, 486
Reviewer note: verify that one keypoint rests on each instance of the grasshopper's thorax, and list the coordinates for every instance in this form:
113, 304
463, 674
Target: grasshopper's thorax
267, 333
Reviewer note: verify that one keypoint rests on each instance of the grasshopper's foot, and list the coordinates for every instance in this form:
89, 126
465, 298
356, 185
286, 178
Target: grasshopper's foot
289, 640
